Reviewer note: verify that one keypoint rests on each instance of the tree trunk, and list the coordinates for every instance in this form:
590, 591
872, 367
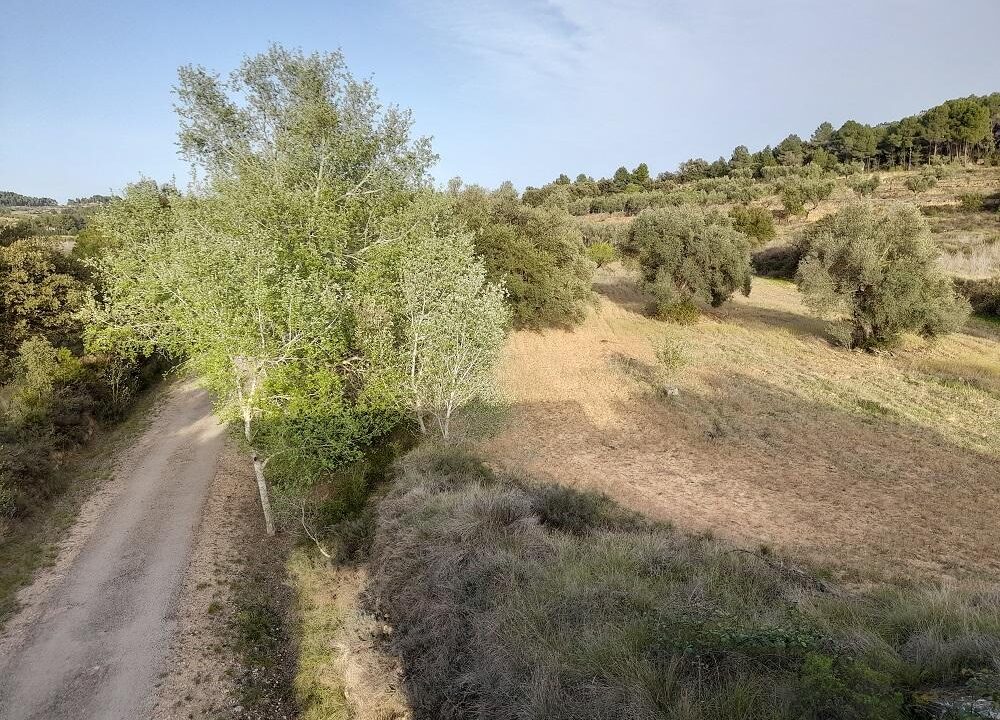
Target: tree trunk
265, 498
258, 470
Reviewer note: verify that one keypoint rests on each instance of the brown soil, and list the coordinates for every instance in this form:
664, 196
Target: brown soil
871, 464
199, 677
93, 631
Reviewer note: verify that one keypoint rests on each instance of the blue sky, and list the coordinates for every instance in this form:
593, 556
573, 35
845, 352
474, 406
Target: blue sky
520, 90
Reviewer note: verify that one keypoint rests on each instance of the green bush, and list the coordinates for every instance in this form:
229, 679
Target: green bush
670, 356
537, 253
879, 269
983, 295
12, 232
972, 201
37, 372
41, 292
686, 254
863, 186
757, 223
510, 599
921, 183
601, 253
681, 313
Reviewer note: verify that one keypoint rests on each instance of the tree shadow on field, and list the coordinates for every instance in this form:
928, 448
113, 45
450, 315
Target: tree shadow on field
628, 293
625, 292
799, 324
865, 493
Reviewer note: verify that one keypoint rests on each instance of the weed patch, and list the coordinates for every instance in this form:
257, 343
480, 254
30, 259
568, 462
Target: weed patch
512, 599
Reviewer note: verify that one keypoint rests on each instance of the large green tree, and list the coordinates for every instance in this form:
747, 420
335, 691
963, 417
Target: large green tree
685, 253
41, 291
249, 277
877, 269
536, 253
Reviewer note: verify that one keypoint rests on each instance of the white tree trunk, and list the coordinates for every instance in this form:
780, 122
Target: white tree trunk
258, 469
265, 498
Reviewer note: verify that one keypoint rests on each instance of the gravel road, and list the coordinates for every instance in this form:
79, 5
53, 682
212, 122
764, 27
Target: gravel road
92, 639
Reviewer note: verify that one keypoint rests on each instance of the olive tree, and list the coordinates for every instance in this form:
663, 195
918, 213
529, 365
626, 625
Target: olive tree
803, 195
756, 222
685, 253
877, 268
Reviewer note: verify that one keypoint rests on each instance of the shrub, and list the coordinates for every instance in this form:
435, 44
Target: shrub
537, 253
757, 223
601, 253
682, 313
514, 599
686, 254
972, 201
8, 505
12, 232
983, 295
27, 471
879, 268
778, 261
38, 370
863, 186
41, 291
923, 182
670, 356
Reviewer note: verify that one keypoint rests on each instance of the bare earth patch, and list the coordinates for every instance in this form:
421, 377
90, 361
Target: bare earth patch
875, 464
93, 630
199, 676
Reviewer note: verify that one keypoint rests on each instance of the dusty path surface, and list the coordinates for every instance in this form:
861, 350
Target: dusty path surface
93, 636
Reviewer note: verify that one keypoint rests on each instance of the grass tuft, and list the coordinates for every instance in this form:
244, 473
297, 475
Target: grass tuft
513, 599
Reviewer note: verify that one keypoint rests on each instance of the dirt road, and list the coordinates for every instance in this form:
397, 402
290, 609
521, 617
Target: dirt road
92, 639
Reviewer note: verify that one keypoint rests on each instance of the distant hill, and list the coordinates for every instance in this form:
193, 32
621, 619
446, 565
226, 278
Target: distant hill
966, 129
11, 199
92, 200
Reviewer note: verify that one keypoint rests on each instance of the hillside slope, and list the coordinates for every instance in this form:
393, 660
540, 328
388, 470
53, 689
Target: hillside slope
879, 464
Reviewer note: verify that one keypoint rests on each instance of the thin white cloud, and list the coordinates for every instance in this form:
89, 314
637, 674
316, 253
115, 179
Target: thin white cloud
593, 46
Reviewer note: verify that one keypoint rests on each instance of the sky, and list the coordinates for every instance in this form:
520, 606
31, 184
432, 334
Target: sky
517, 89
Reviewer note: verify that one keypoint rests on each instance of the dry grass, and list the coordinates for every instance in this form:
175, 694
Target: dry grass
974, 260
874, 464
512, 599
340, 673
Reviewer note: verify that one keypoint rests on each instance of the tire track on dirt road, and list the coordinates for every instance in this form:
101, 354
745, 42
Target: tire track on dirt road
92, 637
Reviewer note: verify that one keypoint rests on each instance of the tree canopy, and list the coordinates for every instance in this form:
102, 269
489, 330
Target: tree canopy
685, 254
877, 268
536, 253
259, 277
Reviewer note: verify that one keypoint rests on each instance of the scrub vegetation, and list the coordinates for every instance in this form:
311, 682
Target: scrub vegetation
651, 476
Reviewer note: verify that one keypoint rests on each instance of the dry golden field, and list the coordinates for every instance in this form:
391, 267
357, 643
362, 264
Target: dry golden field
877, 466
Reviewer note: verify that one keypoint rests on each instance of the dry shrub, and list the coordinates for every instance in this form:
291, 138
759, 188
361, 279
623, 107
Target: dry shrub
777, 261
512, 599
983, 295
